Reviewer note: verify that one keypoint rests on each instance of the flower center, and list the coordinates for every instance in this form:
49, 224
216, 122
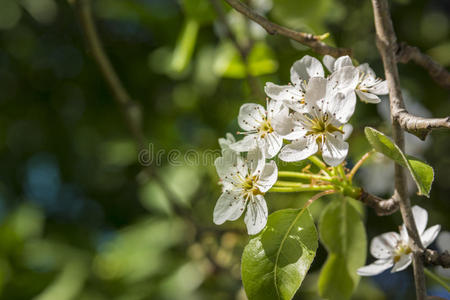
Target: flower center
400, 250
321, 125
250, 187
265, 128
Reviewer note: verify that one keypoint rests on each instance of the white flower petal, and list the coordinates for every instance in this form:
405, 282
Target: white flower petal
347, 129
343, 79
250, 116
305, 68
382, 246
403, 263
268, 177
380, 88
429, 235
299, 150
341, 106
404, 234
273, 143
316, 90
343, 61
287, 94
229, 207
248, 143
368, 97
225, 142
225, 164
335, 149
256, 215
256, 161
284, 126
421, 217
375, 268
365, 69
328, 61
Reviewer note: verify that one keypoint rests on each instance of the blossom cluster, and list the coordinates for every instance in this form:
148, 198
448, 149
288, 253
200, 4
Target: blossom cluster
307, 116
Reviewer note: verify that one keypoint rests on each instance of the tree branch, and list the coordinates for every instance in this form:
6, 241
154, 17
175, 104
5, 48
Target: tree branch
306, 39
382, 207
387, 46
244, 51
406, 53
130, 109
419, 126
432, 257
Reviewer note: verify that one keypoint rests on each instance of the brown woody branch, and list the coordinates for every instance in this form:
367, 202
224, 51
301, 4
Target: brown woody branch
307, 39
432, 257
387, 46
406, 53
382, 207
244, 51
418, 126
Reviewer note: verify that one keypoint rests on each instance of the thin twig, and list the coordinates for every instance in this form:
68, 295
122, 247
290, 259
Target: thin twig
306, 39
386, 43
359, 164
406, 53
317, 196
382, 207
244, 51
432, 257
130, 109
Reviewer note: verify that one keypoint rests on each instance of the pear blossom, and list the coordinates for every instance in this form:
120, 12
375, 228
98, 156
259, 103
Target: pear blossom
369, 86
244, 183
227, 141
393, 249
293, 95
258, 124
329, 105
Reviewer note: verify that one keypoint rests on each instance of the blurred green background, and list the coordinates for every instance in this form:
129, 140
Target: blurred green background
80, 219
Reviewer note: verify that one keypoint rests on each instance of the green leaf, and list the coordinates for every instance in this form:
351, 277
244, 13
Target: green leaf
276, 261
343, 235
422, 173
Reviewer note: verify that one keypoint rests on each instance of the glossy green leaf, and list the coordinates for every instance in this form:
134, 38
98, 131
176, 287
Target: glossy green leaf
342, 233
422, 173
276, 261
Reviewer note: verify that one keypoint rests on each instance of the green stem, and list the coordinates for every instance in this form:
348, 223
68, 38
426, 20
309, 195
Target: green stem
302, 175
304, 188
340, 171
437, 278
359, 164
315, 160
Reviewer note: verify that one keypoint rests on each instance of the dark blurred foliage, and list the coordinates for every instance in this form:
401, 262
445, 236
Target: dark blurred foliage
81, 220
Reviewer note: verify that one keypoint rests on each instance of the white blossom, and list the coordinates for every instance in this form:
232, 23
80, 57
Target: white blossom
259, 127
329, 104
244, 183
369, 85
293, 95
393, 249
227, 141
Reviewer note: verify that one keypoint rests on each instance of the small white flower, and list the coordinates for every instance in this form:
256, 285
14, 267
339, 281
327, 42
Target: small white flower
244, 183
369, 86
320, 125
227, 141
258, 124
393, 249
293, 95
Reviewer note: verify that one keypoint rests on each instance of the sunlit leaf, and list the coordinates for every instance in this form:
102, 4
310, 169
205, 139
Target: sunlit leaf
422, 173
262, 60
276, 261
185, 46
343, 235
